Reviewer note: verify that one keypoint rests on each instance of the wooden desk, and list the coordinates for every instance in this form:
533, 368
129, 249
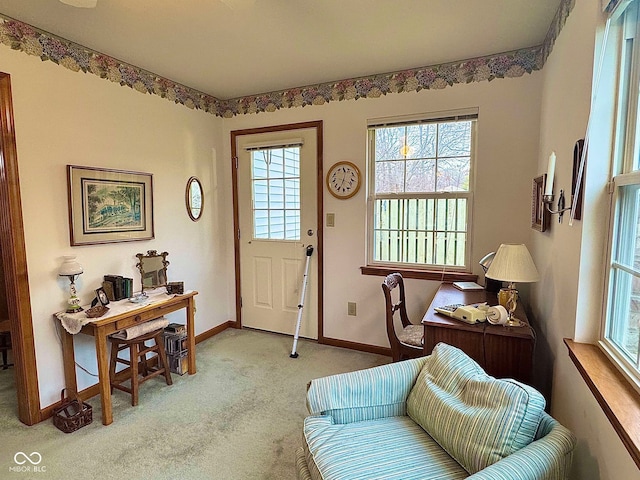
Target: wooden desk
104, 326
503, 352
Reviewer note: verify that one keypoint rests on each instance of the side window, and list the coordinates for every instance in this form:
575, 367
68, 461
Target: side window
621, 333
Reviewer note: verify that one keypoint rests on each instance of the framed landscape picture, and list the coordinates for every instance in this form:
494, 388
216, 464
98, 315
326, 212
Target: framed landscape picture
107, 206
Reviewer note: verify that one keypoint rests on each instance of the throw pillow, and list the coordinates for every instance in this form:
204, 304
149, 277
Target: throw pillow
476, 418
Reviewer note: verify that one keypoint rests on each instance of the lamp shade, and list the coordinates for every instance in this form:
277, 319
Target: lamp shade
70, 266
513, 263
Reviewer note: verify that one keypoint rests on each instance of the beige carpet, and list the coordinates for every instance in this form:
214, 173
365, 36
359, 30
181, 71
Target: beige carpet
239, 417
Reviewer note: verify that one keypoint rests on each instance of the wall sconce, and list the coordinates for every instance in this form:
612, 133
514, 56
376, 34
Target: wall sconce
70, 268
577, 183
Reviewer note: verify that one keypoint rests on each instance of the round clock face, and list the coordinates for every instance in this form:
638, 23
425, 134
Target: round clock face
343, 180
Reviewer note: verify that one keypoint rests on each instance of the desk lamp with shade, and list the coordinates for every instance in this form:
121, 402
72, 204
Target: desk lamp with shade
512, 264
70, 268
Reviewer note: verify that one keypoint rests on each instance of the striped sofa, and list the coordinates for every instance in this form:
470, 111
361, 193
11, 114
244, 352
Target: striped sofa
436, 417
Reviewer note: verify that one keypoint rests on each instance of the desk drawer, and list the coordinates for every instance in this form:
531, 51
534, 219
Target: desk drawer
137, 319
146, 316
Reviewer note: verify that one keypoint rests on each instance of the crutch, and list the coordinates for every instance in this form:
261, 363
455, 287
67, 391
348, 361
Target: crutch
294, 354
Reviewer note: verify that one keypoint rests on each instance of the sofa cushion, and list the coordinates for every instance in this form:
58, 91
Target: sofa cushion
365, 394
393, 448
476, 418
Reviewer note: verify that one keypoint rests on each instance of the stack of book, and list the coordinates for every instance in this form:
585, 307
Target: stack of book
176, 346
117, 287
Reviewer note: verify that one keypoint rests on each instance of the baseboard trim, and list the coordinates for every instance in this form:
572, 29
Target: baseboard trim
201, 337
94, 390
362, 347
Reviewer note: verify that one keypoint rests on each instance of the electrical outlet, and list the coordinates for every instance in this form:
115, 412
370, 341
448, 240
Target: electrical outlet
331, 219
351, 308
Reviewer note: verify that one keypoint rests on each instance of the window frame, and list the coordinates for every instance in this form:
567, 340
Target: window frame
625, 172
470, 114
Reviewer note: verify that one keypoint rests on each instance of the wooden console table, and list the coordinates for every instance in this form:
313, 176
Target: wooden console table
110, 323
503, 352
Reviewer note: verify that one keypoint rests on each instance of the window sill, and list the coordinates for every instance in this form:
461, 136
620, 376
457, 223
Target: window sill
437, 275
618, 399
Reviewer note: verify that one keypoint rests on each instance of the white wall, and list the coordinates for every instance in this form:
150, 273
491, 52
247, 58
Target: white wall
61, 118
569, 258
72, 118
507, 151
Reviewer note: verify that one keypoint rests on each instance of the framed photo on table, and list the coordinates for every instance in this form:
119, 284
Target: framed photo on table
107, 206
102, 296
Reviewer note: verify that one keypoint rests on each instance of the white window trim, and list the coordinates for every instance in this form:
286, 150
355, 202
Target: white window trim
626, 143
433, 117
610, 349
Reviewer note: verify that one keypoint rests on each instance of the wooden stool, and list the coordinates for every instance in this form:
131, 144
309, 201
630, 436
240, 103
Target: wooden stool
138, 353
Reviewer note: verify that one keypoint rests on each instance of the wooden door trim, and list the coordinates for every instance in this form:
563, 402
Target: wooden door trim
318, 126
15, 264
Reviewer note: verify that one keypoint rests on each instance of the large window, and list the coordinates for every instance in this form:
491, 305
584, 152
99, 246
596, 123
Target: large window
621, 328
420, 186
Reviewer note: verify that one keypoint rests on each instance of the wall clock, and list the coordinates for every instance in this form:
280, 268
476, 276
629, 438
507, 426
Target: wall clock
343, 180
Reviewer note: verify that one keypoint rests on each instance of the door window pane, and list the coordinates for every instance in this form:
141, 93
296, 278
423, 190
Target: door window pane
276, 193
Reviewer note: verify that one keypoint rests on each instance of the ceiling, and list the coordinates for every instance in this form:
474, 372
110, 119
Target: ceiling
234, 48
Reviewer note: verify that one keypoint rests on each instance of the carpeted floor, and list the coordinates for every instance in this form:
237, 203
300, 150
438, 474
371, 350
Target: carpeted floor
239, 417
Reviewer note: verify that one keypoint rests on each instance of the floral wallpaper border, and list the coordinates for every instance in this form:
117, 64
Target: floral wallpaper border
75, 57
512, 64
560, 18
23, 37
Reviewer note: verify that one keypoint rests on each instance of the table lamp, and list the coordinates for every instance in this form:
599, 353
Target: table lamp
70, 268
512, 264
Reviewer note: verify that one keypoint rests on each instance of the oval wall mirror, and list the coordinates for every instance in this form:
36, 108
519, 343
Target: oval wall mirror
194, 197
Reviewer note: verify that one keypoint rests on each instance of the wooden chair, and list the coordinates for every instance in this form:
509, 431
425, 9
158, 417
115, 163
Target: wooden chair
140, 370
409, 342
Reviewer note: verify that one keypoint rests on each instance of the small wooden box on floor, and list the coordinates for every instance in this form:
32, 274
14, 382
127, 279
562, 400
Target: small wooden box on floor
503, 352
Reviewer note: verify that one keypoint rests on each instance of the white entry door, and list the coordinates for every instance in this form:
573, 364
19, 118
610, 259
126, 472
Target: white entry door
277, 211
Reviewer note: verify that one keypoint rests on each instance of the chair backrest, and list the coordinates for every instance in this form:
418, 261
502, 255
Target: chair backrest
392, 281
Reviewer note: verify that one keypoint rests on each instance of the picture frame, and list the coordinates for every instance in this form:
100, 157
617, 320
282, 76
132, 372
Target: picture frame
102, 296
108, 206
539, 215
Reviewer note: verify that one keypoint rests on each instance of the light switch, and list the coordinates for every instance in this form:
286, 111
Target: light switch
331, 219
